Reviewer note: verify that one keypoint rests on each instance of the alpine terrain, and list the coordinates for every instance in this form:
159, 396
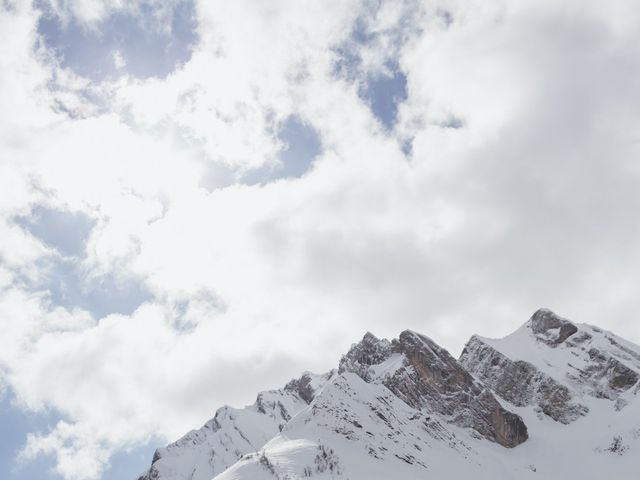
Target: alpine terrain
553, 400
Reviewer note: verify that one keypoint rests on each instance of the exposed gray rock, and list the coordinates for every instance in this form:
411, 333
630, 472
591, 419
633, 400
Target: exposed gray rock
431, 379
607, 376
395, 400
595, 363
617, 446
520, 382
369, 351
303, 386
551, 328
624, 352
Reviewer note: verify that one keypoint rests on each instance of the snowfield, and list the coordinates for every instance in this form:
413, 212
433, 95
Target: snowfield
553, 400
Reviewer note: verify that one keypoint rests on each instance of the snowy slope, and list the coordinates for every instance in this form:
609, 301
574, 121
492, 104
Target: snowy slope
576, 386
201, 454
553, 400
324, 443
356, 429
565, 371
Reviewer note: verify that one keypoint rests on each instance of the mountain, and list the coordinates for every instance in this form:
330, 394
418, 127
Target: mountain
553, 400
231, 433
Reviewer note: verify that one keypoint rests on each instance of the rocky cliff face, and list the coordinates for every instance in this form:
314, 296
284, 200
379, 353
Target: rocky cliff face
429, 378
552, 363
407, 409
520, 382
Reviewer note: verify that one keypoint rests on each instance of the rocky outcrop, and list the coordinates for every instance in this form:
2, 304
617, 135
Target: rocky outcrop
607, 376
581, 360
429, 378
551, 328
301, 386
364, 354
307, 385
520, 382
399, 404
598, 364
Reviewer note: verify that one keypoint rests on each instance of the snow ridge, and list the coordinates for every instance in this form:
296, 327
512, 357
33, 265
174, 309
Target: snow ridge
552, 400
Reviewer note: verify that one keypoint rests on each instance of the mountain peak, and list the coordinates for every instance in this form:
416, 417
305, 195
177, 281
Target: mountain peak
370, 338
550, 328
396, 408
555, 365
411, 339
362, 355
425, 376
307, 385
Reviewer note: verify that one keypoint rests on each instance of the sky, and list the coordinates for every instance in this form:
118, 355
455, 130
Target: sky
201, 199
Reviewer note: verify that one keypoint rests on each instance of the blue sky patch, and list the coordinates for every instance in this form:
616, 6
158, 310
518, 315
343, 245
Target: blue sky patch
67, 232
16, 424
70, 286
143, 43
384, 92
67, 282
136, 460
383, 89
302, 145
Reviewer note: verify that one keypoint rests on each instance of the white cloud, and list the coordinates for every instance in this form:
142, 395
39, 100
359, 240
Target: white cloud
528, 203
118, 60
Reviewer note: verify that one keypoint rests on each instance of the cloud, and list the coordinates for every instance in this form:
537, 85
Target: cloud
501, 177
116, 377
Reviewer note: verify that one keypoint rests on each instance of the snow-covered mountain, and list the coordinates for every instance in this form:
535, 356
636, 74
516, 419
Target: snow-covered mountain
553, 400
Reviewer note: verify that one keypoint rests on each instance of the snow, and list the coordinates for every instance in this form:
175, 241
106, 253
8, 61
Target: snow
356, 429
554, 450
565, 360
202, 454
387, 368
